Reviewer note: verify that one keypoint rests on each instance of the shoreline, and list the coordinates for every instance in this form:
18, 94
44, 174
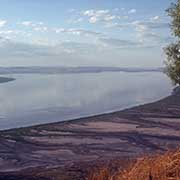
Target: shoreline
132, 132
83, 118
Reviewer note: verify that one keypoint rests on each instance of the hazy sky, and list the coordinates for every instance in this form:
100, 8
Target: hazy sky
83, 32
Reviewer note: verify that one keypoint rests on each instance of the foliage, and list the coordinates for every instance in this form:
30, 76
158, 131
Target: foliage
174, 13
173, 50
173, 62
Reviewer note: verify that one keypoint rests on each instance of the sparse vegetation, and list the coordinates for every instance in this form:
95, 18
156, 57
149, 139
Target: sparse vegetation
159, 167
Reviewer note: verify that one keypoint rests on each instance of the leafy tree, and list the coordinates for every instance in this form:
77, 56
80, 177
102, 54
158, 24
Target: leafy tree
173, 50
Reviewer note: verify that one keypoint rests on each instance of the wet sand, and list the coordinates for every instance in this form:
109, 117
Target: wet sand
67, 146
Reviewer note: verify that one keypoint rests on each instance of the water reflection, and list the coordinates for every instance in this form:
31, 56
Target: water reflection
34, 99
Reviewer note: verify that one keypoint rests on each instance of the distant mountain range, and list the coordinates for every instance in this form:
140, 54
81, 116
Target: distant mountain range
63, 70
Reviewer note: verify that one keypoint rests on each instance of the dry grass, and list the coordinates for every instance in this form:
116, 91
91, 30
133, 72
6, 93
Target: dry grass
159, 167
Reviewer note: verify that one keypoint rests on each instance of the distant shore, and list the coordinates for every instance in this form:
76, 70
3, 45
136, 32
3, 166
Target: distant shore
69, 148
73, 70
6, 79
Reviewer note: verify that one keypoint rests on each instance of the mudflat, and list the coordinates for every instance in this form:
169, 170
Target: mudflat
64, 148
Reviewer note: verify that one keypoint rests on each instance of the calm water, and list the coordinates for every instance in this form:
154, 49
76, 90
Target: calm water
35, 99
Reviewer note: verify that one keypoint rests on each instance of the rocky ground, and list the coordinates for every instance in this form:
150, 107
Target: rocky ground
66, 149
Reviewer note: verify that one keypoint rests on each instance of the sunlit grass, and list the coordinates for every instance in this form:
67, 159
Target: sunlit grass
158, 167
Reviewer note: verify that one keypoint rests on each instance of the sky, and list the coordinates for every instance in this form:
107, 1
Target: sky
120, 33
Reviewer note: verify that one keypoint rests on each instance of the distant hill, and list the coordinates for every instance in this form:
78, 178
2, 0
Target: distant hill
61, 70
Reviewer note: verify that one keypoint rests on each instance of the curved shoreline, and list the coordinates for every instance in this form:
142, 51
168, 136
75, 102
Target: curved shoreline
144, 129
175, 92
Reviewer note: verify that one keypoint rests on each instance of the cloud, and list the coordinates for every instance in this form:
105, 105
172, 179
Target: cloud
14, 49
95, 12
71, 10
27, 23
147, 34
147, 31
155, 18
132, 11
11, 48
149, 25
118, 43
36, 26
154, 38
77, 20
13, 33
99, 16
41, 29
79, 48
3, 23
31, 24
9, 32
63, 53
75, 31
116, 9
153, 24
